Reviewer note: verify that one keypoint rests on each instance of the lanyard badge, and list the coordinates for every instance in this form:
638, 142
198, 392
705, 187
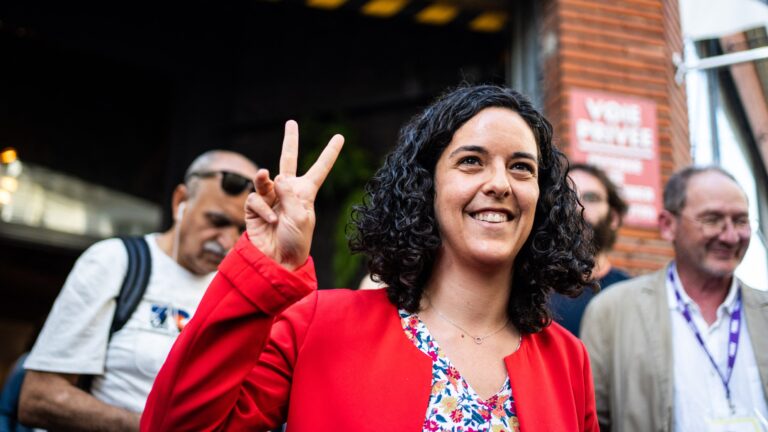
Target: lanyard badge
734, 329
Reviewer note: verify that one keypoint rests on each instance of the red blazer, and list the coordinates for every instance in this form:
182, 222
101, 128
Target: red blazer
335, 360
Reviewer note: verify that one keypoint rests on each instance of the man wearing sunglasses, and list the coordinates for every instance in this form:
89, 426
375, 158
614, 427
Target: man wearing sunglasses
208, 210
685, 348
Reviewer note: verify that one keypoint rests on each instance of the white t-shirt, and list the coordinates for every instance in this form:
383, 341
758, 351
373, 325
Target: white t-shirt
74, 337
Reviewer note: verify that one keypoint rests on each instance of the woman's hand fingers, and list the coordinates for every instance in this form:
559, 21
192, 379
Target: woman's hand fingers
290, 154
264, 185
280, 214
257, 207
320, 169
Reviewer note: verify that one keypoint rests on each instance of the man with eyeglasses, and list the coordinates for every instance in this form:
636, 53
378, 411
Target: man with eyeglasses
208, 211
685, 348
603, 211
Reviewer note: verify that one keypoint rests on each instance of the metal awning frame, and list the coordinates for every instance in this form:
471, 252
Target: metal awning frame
683, 67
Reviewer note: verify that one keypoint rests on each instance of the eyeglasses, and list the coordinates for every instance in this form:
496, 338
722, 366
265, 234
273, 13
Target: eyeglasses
713, 224
232, 183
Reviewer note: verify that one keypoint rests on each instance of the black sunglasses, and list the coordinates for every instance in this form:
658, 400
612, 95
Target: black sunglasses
231, 183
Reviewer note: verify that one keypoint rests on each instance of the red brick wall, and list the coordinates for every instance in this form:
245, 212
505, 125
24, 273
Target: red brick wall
619, 46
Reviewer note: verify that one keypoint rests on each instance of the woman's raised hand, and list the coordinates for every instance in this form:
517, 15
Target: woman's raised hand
280, 214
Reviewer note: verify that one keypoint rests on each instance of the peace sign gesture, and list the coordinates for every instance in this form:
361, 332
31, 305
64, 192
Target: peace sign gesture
280, 214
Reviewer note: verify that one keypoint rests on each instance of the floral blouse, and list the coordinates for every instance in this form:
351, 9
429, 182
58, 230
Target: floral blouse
453, 404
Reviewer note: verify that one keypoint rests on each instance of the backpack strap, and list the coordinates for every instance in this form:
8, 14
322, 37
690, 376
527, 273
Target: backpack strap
9, 398
135, 281
131, 292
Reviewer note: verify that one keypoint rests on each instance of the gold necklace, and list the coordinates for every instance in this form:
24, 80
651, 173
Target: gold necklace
476, 339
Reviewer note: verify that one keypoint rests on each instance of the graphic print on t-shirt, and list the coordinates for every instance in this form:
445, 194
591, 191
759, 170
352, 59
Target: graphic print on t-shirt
160, 313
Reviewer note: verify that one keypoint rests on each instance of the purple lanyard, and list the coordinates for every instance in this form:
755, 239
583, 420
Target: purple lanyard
733, 336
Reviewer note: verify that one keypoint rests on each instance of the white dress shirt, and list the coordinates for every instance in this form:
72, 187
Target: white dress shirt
699, 394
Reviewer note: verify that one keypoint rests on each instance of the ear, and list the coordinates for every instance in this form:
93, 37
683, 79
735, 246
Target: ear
615, 220
180, 195
667, 225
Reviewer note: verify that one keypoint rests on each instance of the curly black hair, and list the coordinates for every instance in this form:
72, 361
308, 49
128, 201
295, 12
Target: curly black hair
397, 230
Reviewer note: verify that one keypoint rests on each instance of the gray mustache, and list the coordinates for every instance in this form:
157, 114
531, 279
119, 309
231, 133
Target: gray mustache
214, 247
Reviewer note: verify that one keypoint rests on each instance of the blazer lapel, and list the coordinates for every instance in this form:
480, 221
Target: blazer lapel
654, 309
756, 310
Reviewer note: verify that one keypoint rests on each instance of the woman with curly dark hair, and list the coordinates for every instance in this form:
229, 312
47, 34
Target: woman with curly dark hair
470, 224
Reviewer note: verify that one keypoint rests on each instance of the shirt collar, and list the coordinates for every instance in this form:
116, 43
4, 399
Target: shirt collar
728, 304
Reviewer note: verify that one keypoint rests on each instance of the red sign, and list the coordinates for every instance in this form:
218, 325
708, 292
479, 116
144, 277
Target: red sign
618, 134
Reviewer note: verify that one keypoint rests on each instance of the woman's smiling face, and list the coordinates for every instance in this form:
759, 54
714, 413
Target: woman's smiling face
486, 189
